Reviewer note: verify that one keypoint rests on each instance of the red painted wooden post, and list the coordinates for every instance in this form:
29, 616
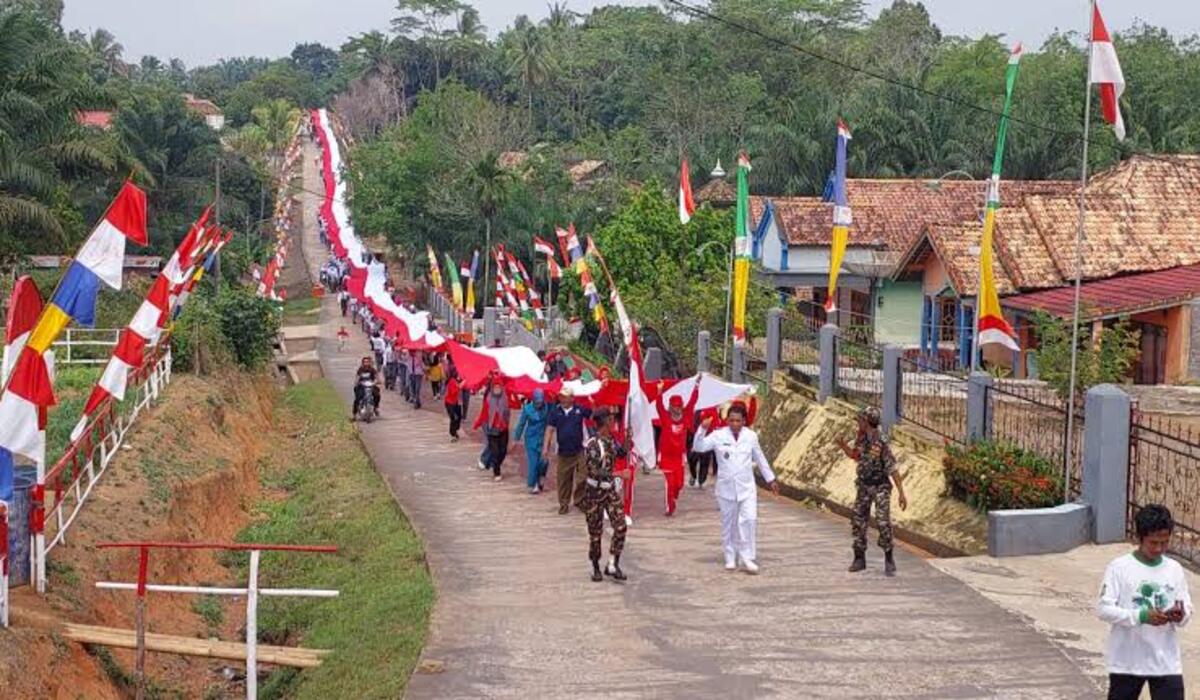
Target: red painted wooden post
140, 622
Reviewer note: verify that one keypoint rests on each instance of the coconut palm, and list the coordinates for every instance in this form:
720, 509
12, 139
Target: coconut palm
530, 61
490, 186
278, 120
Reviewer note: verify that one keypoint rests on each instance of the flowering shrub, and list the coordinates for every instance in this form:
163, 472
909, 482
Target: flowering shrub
999, 476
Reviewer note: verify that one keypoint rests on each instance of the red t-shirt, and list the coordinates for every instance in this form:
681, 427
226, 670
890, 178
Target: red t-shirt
452, 388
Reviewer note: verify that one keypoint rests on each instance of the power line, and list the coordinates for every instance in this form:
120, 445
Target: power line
779, 41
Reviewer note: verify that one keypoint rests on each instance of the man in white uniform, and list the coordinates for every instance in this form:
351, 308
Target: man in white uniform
737, 451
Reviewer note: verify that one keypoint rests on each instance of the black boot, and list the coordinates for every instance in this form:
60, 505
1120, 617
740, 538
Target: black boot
614, 569
596, 575
889, 564
860, 560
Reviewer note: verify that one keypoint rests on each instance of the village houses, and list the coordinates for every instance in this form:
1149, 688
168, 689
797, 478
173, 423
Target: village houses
910, 273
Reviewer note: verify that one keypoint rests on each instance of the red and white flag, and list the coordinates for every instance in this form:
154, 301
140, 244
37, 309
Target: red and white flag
687, 205
1106, 72
555, 270
543, 247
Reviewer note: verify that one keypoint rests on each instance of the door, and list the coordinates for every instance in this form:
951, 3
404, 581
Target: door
1151, 365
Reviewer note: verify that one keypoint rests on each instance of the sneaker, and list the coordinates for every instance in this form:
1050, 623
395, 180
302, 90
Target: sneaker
730, 565
628, 521
453, 438
750, 566
615, 572
497, 478
483, 467
692, 483
563, 510
533, 491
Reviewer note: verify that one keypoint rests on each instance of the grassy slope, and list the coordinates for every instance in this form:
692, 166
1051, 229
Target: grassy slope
332, 494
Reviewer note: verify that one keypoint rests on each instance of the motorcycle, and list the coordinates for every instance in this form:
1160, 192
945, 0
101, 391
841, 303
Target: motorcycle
367, 409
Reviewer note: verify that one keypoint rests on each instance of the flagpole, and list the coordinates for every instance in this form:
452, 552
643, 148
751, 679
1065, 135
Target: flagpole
728, 307
1083, 179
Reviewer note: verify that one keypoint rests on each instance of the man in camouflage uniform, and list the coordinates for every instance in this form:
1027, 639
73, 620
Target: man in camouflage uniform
876, 472
602, 495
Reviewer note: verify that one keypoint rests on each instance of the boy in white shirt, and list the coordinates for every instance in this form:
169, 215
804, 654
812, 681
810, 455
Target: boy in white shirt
1145, 598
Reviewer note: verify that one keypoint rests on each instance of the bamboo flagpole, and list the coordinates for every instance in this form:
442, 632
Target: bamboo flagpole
1068, 452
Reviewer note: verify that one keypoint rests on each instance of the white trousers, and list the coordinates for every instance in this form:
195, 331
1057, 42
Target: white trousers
739, 522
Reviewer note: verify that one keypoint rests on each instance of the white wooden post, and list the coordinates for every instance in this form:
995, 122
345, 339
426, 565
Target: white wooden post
252, 628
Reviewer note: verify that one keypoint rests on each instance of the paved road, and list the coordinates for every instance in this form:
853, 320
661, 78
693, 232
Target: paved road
517, 615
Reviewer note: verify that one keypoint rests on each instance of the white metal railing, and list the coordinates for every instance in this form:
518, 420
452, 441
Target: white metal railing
72, 480
73, 348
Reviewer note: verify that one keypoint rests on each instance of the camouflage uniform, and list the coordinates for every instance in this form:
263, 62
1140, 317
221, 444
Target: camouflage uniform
875, 465
600, 454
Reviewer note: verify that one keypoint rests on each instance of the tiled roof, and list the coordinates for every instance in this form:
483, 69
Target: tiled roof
201, 105
893, 213
717, 191
97, 118
1142, 215
1126, 294
584, 170
959, 243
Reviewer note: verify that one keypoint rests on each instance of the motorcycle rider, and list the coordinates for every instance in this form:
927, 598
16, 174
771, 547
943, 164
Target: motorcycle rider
366, 373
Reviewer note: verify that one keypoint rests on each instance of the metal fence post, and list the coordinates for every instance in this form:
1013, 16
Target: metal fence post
892, 387
1106, 460
653, 364
738, 359
703, 343
774, 342
827, 363
489, 326
979, 410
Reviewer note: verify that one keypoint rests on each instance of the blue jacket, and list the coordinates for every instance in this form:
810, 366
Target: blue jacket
532, 424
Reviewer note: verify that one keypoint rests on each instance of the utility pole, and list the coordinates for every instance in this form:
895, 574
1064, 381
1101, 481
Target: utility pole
217, 262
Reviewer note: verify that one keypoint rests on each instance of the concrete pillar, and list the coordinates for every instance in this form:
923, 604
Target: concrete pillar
1106, 460
774, 342
827, 364
892, 378
703, 342
490, 327
738, 361
979, 410
653, 364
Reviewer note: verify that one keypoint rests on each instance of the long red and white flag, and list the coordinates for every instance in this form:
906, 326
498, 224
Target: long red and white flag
1106, 72
687, 205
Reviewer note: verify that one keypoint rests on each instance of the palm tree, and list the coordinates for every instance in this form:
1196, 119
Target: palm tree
490, 186
529, 60
277, 119
467, 39
559, 18
43, 86
108, 50
378, 52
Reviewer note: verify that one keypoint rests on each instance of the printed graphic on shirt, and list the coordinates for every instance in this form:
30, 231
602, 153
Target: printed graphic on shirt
1154, 595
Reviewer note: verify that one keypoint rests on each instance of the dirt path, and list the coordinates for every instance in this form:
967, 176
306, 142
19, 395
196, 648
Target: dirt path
517, 615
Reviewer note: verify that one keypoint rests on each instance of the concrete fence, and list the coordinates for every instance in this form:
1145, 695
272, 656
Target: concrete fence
1099, 514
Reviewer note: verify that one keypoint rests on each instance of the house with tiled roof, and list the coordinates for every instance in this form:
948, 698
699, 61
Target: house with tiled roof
1141, 262
792, 235
212, 114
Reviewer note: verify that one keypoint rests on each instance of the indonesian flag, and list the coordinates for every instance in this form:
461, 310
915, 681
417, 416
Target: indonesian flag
687, 205
639, 412
474, 365
543, 247
24, 307
1106, 72
555, 271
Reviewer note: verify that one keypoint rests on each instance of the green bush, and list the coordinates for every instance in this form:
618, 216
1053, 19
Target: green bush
999, 476
197, 341
249, 324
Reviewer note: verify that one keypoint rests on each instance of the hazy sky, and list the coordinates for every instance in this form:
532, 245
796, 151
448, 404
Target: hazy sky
201, 31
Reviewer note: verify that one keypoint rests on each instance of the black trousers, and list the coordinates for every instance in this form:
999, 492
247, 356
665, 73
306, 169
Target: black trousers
699, 464
497, 451
454, 410
1125, 687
